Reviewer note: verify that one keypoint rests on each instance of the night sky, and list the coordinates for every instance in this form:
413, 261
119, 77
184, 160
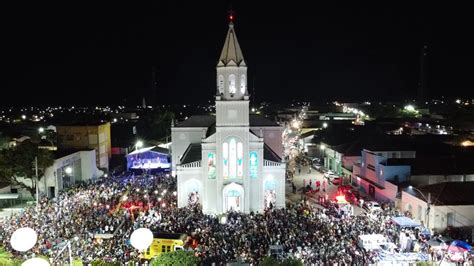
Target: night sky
104, 53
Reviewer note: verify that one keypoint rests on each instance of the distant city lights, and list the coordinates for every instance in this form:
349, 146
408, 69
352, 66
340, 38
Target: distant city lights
410, 108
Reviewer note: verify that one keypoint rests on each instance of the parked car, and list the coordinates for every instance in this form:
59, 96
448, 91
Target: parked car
372, 206
330, 175
336, 181
276, 251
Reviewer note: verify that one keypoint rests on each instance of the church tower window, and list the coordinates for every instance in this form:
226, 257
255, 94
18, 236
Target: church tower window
220, 84
242, 84
232, 88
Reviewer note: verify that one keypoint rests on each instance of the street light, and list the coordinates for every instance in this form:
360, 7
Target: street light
428, 201
138, 145
23, 239
41, 130
325, 125
141, 238
295, 123
36, 262
322, 147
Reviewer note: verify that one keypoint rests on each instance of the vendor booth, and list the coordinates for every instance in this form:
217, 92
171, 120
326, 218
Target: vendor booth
372, 242
405, 222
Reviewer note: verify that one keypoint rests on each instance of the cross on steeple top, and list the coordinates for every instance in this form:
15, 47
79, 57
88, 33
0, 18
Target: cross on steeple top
231, 15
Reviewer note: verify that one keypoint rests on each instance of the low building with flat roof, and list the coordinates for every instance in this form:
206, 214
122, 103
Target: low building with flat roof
451, 204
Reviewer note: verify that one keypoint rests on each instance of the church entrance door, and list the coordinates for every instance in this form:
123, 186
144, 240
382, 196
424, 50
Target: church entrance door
233, 200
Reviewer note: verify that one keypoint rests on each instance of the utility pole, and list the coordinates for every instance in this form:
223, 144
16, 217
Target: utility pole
68, 247
428, 211
422, 79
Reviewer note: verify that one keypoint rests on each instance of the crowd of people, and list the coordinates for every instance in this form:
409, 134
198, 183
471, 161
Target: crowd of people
119, 204
82, 213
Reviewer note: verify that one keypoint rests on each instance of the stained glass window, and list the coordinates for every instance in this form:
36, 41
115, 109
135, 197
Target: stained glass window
211, 165
253, 163
225, 156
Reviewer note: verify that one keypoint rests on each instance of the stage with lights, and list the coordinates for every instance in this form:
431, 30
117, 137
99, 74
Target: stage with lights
150, 159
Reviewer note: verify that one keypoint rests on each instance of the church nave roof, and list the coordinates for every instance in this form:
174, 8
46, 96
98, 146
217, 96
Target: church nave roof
192, 153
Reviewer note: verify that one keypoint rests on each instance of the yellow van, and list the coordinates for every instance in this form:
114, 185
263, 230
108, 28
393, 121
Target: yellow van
164, 242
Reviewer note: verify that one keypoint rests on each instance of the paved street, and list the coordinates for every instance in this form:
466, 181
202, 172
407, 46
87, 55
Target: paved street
303, 177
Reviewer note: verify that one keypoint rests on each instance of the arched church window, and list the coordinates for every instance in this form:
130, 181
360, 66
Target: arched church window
240, 154
225, 156
220, 84
253, 164
211, 165
233, 158
242, 84
232, 88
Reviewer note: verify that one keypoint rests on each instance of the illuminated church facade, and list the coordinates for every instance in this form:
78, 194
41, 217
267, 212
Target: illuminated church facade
230, 160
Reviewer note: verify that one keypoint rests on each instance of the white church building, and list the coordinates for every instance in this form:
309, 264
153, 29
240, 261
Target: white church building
230, 160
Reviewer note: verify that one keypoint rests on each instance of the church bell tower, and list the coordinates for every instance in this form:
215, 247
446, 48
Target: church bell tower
232, 127
232, 99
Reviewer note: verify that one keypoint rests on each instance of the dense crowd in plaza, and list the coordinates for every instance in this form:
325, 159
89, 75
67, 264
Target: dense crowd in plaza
120, 204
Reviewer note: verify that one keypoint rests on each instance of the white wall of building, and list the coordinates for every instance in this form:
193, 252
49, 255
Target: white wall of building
423, 180
372, 167
348, 161
440, 216
181, 138
189, 180
82, 163
272, 136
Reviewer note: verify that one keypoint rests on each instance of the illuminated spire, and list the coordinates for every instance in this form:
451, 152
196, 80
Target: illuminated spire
231, 54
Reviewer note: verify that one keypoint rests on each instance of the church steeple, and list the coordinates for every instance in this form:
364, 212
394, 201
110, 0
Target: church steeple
231, 54
231, 69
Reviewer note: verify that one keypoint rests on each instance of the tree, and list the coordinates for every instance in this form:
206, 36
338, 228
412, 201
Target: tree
291, 262
3, 141
269, 261
155, 125
99, 262
6, 258
272, 261
19, 161
179, 257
